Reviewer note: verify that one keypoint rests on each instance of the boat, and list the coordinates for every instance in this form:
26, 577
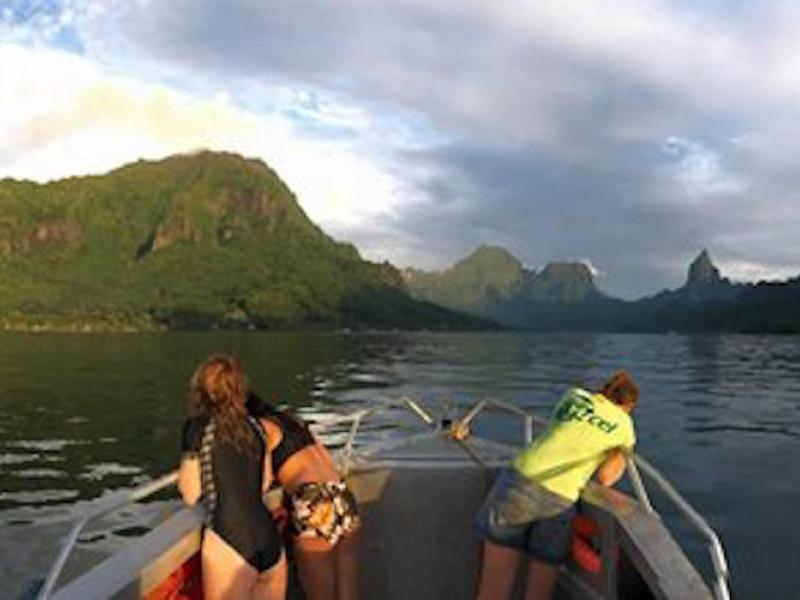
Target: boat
418, 494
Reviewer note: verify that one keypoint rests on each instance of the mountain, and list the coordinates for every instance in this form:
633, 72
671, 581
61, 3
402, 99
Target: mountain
470, 284
192, 241
561, 283
702, 271
215, 240
706, 303
492, 283
709, 302
564, 297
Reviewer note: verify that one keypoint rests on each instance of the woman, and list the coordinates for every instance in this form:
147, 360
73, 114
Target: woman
323, 515
531, 505
226, 463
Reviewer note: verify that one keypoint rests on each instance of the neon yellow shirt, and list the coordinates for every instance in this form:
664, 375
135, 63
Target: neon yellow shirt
583, 428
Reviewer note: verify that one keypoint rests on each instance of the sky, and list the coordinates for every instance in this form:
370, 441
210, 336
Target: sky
627, 134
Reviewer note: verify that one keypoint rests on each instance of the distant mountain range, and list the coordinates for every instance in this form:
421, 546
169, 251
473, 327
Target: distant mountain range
195, 241
564, 296
213, 240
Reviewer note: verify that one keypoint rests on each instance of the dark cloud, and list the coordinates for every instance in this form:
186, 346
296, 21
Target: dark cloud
547, 210
632, 137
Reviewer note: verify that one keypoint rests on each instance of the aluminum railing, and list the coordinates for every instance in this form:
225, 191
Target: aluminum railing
357, 417
716, 550
103, 507
633, 463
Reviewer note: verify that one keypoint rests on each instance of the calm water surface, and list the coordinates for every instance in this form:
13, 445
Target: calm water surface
720, 415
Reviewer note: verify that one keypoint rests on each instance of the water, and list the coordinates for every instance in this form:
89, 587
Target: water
81, 415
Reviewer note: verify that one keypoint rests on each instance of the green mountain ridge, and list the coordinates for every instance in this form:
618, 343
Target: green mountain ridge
564, 297
192, 241
493, 283
489, 271
214, 240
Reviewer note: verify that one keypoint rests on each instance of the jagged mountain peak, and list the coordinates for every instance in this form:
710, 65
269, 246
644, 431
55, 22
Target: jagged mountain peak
702, 271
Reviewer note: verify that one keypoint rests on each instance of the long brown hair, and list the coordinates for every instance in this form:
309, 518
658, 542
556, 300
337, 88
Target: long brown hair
217, 390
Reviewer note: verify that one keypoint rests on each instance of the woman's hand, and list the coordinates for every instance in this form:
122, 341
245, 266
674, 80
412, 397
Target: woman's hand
281, 517
274, 500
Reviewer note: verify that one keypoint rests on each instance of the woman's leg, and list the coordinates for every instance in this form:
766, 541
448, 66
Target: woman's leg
347, 566
316, 565
226, 575
497, 572
541, 580
271, 584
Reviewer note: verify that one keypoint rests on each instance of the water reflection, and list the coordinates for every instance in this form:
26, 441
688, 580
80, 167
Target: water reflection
702, 366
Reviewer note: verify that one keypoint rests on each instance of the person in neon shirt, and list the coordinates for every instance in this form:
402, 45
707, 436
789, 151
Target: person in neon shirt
531, 504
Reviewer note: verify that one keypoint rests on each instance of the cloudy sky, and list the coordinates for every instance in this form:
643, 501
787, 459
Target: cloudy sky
630, 134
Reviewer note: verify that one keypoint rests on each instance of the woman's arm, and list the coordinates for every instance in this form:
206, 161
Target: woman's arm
189, 480
267, 475
273, 432
612, 469
274, 437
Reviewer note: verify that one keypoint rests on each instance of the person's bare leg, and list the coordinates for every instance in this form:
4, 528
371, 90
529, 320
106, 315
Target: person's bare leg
497, 572
347, 567
226, 575
541, 580
316, 566
271, 584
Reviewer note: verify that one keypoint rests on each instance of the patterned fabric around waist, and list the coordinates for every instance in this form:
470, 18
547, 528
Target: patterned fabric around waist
324, 509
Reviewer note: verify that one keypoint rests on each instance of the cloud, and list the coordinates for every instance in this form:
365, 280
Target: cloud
61, 115
699, 171
744, 271
528, 72
633, 133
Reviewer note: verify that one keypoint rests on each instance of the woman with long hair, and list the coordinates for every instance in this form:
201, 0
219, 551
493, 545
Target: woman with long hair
227, 465
323, 515
531, 505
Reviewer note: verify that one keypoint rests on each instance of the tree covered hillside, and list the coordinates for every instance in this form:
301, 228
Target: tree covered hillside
488, 273
492, 283
192, 241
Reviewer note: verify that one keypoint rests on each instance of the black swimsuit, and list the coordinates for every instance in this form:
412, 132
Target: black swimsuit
296, 434
232, 483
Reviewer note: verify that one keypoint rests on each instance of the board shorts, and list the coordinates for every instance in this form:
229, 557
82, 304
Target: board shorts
521, 514
323, 509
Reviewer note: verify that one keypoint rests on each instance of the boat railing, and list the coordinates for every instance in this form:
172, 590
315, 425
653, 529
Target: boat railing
103, 507
717, 552
357, 417
457, 428
633, 463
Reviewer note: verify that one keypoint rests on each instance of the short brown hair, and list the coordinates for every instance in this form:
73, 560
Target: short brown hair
620, 389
